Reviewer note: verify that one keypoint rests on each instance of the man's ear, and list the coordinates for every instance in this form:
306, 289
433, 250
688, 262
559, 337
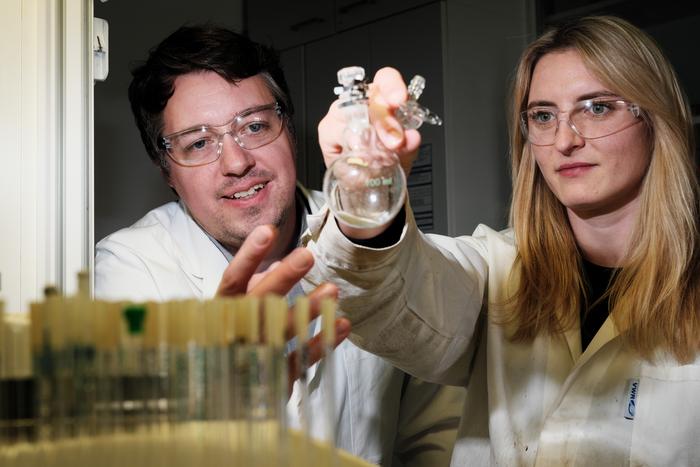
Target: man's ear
172, 188
165, 173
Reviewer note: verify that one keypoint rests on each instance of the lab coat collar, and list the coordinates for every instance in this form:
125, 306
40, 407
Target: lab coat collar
200, 257
607, 332
573, 341
316, 216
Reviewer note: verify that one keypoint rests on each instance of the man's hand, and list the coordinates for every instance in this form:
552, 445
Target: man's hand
240, 277
280, 279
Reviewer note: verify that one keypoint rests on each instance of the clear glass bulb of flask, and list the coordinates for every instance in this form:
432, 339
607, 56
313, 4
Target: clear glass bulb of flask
366, 186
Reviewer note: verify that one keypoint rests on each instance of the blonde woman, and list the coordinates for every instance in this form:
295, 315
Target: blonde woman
577, 330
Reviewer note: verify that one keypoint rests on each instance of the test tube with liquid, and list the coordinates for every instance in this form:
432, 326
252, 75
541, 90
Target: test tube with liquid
195, 327
301, 326
131, 374
16, 408
106, 324
232, 394
167, 393
4, 396
58, 367
277, 380
257, 397
43, 367
36, 313
216, 399
6, 390
156, 342
243, 361
179, 372
192, 372
82, 317
328, 307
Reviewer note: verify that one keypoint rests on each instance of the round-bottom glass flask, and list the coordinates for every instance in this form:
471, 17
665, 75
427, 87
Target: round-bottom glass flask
365, 187
365, 191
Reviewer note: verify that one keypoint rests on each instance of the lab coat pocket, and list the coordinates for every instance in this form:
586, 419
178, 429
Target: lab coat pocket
666, 416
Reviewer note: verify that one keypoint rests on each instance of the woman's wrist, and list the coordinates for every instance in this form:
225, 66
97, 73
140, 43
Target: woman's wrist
381, 237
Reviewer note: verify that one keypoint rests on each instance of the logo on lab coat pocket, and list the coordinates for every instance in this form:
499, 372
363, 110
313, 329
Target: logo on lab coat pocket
632, 392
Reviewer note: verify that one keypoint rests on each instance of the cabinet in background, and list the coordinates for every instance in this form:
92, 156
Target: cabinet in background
409, 41
285, 24
465, 50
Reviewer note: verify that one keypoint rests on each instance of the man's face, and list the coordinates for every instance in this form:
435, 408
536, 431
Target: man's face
243, 188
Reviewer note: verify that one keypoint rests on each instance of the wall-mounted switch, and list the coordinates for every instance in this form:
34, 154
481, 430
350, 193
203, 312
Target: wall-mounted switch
100, 48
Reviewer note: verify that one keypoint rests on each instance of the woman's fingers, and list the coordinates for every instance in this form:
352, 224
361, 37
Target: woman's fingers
330, 133
391, 87
387, 93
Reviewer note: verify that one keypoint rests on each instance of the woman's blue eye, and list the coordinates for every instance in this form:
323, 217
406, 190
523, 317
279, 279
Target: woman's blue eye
599, 108
541, 117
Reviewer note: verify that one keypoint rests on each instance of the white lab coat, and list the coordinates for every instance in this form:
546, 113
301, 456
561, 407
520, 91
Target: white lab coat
537, 403
167, 256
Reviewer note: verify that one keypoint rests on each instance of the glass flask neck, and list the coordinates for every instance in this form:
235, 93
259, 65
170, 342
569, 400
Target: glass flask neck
358, 133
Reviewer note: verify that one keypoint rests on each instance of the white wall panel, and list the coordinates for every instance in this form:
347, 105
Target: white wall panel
46, 98
10, 157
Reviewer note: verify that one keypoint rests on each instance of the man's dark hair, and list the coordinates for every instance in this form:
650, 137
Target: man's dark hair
196, 48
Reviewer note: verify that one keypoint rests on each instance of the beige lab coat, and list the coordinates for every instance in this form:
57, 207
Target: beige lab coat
540, 403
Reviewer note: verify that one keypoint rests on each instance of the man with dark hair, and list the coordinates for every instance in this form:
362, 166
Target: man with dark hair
214, 114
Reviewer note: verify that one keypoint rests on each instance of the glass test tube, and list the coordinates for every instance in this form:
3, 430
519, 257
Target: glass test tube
275, 319
301, 325
328, 335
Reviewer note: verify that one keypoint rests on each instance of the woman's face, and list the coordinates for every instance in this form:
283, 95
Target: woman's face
590, 177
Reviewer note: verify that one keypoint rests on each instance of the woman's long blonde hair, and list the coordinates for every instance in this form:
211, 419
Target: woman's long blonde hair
655, 296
